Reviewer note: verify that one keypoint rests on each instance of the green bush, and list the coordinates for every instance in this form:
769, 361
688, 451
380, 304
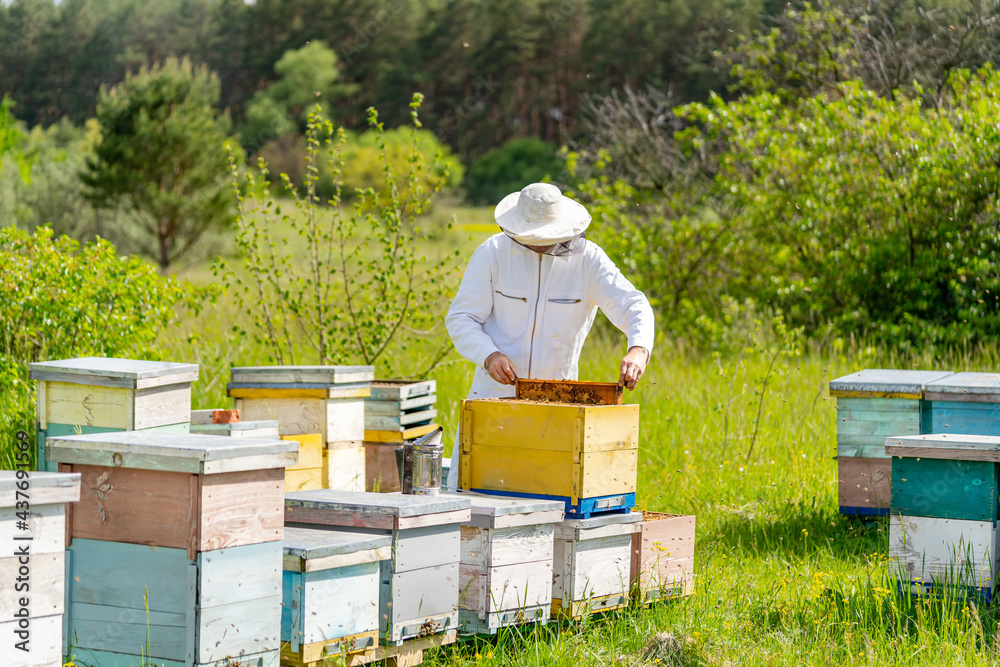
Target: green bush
507, 169
60, 299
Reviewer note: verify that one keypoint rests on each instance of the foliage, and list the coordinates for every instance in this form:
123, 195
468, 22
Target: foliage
500, 171
305, 77
360, 291
60, 299
872, 214
161, 155
11, 138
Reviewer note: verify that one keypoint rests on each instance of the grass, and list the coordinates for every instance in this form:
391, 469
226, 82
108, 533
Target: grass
747, 447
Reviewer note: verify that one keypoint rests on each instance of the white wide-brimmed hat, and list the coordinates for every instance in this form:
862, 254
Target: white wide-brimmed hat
540, 215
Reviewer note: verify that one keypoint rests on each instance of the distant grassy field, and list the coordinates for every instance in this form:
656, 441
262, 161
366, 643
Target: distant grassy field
781, 577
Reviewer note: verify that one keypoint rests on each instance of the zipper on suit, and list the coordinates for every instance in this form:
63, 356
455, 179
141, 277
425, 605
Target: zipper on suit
534, 321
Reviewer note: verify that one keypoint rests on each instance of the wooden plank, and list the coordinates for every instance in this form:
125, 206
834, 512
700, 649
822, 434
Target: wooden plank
945, 489
398, 390
46, 527
294, 415
336, 603
947, 551
376, 504
469, 622
510, 546
888, 383
569, 391
310, 544
46, 584
277, 391
399, 421
862, 451
518, 586
424, 547
608, 473
599, 567
239, 574
310, 450
453, 517
975, 447
345, 420
311, 655
303, 480
241, 508
662, 552
87, 405
344, 467
109, 372
420, 594
398, 435
45, 488
245, 627
117, 574
879, 429
331, 375
160, 406
577, 609
241, 429
381, 469
863, 482
897, 407
46, 644
395, 407
94, 658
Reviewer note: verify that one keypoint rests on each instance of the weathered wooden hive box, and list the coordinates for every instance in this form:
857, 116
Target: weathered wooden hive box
202, 422
397, 410
190, 525
101, 395
419, 584
964, 403
592, 564
33, 526
306, 400
942, 528
583, 455
663, 556
505, 573
871, 405
329, 590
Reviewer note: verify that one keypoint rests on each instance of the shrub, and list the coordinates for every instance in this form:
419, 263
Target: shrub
507, 169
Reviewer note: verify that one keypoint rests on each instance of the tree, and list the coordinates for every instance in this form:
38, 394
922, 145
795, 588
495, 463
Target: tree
162, 154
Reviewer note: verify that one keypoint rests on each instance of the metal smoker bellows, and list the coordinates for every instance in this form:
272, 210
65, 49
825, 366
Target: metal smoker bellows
420, 465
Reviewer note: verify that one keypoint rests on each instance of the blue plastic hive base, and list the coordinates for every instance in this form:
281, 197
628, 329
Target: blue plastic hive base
980, 595
864, 512
620, 503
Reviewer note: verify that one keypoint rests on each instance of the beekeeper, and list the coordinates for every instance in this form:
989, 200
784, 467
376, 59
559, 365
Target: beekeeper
530, 294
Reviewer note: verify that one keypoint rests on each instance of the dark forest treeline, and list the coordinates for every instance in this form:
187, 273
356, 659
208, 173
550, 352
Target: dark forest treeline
490, 70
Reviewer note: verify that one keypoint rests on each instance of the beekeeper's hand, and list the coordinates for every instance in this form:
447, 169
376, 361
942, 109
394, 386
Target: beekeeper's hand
500, 368
633, 366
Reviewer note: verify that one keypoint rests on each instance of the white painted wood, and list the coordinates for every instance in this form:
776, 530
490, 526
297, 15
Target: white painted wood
952, 550
41, 403
43, 574
179, 452
518, 586
599, 526
394, 408
44, 488
239, 574
345, 420
510, 546
401, 389
108, 372
345, 468
303, 374
248, 429
430, 591
294, 415
45, 643
394, 505
972, 387
244, 627
426, 547
342, 602
159, 406
592, 568
314, 549
46, 526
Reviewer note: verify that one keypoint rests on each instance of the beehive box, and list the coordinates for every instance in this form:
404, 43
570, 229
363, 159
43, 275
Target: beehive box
32, 523
419, 585
397, 406
308, 473
583, 455
190, 524
592, 564
330, 589
328, 400
505, 575
662, 564
965, 404
100, 395
942, 532
871, 405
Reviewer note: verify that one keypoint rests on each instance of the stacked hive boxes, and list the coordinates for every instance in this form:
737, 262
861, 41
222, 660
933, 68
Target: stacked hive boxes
397, 410
33, 539
506, 563
100, 395
321, 407
419, 584
964, 403
663, 556
329, 586
175, 548
871, 405
942, 532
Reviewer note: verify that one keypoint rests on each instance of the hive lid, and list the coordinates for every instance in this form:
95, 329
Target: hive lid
43, 488
173, 452
600, 520
484, 505
107, 372
945, 446
884, 383
362, 509
235, 426
311, 543
971, 387
296, 376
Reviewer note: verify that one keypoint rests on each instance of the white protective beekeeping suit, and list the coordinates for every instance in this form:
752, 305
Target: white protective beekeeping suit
538, 308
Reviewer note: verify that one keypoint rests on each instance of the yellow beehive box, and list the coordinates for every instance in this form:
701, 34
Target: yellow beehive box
586, 455
307, 473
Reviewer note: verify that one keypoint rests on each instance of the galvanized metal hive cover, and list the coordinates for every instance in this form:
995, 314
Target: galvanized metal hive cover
885, 382
394, 505
320, 376
309, 543
107, 372
965, 386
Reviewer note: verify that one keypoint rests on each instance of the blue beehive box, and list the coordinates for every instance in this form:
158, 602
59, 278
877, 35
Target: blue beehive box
964, 403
